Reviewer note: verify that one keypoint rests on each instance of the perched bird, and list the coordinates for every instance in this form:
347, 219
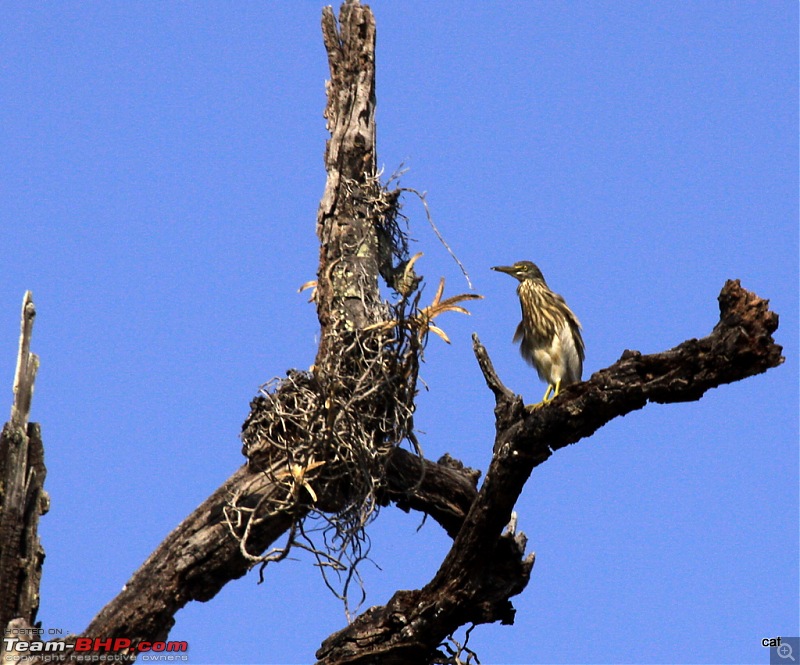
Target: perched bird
549, 333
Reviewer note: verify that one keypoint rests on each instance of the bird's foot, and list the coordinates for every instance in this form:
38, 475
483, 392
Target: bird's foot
549, 394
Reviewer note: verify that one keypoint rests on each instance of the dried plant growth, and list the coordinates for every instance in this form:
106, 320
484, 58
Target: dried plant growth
324, 439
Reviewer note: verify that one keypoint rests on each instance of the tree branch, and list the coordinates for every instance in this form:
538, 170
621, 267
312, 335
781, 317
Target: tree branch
193, 563
27, 365
485, 567
201, 555
444, 490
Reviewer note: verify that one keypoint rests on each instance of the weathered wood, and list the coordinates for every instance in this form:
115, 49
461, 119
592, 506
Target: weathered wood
485, 567
22, 496
193, 563
201, 555
444, 490
347, 295
27, 365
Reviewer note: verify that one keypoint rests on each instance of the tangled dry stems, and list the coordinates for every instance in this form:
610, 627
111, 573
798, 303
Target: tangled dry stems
457, 653
322, 437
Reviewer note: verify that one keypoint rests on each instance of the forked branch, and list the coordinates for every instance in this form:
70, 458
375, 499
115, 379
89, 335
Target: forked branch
486, 567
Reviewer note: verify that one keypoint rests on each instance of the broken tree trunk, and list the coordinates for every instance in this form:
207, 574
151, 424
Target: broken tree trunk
291, 468
347, 293
22, 496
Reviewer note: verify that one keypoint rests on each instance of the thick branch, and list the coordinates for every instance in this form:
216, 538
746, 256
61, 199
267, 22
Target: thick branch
193, 563
443, 490
484, 567
200, 556
740, 346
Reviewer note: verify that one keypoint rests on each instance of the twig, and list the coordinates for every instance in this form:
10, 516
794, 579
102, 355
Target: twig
422, 197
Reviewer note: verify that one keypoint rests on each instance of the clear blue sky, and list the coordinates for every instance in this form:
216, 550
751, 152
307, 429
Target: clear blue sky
161, 171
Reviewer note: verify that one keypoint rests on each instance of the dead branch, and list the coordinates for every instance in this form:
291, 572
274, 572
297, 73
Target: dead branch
22, 495
200, 556
193, 563
486, 567
27, 365
444, 490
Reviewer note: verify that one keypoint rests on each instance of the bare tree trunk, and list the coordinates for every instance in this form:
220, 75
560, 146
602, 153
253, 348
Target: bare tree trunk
22, 495
347, 295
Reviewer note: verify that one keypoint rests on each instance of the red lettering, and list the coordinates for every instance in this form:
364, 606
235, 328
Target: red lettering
177, 646
121, 643
83, 644
105, 645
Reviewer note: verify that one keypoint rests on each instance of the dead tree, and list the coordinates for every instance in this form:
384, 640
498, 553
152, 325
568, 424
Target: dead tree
22, 495
323, 447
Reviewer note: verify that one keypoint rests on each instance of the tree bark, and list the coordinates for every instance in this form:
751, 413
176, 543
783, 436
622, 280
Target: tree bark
347, 296
201, 555
22, 495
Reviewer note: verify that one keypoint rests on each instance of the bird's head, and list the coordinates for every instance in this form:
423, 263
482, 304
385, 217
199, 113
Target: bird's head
522, 270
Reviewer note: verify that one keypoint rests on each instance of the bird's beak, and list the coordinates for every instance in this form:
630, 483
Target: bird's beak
509, 270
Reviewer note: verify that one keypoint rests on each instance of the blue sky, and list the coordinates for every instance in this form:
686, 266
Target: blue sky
161, 171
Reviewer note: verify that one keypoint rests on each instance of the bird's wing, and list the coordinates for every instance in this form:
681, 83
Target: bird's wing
574, 326
527, 346
520, 332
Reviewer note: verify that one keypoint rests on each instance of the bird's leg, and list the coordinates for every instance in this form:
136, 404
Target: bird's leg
555, 388
530, 408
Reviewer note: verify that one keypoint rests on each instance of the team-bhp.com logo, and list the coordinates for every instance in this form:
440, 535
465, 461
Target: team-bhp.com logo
95, 649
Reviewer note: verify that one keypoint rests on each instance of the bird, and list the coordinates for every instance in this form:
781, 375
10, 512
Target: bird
549, 333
